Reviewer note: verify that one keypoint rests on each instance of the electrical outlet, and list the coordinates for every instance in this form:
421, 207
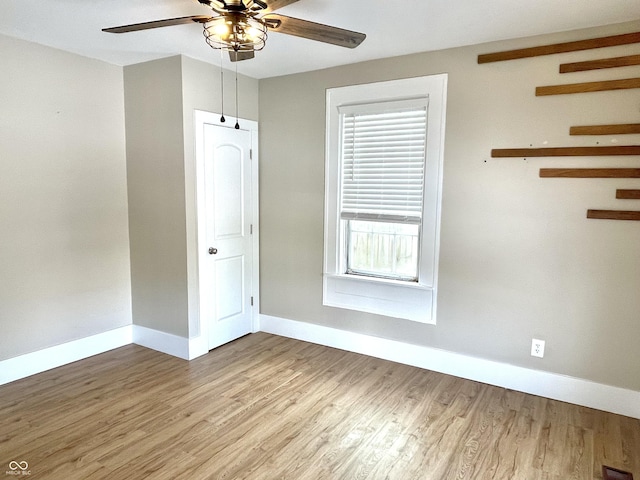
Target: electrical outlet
537, 348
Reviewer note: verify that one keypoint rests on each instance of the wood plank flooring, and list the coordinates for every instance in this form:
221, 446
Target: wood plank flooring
265, 407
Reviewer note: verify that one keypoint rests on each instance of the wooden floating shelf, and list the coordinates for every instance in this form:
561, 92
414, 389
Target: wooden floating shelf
587, 87
566, 151
628, 194
610, 41
590, 172
620, 129
602, 63
614, 214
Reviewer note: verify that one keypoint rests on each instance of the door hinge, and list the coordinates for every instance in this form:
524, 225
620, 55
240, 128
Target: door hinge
251, 154
251, 229
252, 301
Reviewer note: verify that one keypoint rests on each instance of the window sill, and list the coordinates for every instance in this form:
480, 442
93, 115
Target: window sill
391, 298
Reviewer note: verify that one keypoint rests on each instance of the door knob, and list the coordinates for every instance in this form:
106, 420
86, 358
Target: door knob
213, 251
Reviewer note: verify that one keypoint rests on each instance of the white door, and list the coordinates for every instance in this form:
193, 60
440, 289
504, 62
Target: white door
228, 246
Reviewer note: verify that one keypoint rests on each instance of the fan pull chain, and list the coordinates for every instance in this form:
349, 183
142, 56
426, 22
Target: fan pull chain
222, 119
237, 124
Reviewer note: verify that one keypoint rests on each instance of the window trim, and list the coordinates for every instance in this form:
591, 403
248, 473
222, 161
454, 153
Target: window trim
395, 298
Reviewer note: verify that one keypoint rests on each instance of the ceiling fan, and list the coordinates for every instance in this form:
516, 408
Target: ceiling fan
240, 26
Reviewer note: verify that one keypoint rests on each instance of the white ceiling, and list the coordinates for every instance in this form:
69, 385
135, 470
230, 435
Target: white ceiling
393, 27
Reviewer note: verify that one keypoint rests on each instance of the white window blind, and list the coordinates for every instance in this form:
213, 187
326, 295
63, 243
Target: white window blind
383, 161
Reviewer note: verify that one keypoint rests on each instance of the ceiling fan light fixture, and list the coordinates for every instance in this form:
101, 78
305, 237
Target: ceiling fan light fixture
233, 32
221, 29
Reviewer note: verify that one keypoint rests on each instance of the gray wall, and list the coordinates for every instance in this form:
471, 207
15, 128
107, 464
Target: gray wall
518, 257
70, 190
64, 252
160, 99
155, 176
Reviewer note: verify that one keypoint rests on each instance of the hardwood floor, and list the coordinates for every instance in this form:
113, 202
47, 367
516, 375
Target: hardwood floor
266, 407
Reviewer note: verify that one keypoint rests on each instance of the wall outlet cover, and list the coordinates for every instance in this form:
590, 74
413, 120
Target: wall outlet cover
537, 348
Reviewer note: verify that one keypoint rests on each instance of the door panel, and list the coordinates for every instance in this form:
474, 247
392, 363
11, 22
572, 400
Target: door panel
228, 186
229, 283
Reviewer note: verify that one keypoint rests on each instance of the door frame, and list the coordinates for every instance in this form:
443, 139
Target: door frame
203, 118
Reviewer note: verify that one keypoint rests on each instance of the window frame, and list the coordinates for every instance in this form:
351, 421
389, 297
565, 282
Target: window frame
395, 298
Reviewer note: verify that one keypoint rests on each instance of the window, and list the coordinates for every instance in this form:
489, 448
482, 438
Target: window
382, 197
382, 155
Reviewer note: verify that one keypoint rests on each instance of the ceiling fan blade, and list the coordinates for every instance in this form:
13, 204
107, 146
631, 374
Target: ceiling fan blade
314, 31
241, 55
211, 3
273, 5
218, 6
158, 23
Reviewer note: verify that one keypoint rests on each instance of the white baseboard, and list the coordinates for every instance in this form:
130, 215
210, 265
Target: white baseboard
198, 346
36, 362
31, 363
161, 341
537, 382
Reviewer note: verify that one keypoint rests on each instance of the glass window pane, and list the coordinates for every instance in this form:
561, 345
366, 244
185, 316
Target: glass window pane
383, 249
